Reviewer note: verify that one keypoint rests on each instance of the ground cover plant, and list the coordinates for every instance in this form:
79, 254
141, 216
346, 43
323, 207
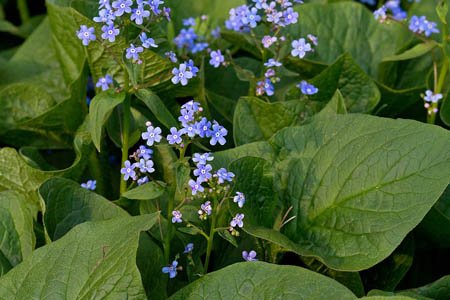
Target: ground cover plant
206, 149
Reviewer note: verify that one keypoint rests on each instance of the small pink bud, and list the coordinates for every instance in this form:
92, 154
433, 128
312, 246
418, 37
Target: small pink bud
427, 105
204, 17
148, 123
139, 62
182, 146
200, 109
210, 190
435, 110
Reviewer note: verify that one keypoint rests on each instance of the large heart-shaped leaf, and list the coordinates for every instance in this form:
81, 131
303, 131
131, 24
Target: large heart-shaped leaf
67, 205
258, 280
94, 260
16, 230
357, 184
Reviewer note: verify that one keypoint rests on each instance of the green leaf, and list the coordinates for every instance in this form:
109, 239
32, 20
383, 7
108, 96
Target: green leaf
157, 107
387, 298
338, 27
254, 176
67, 205
147, 191
347, 216
16, 230
351, 280
34, 76
227, 236
335, 106
393, 102
183, 172
445, 110
360, 92
436, 224
442, 10
99, 111
416, 51
17, 175
95, 259
407, 160
258, 280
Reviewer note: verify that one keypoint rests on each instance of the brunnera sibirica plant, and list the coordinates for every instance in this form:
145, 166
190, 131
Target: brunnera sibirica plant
206, 149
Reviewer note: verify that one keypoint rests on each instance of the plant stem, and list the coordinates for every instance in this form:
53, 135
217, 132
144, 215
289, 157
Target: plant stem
168, 236
126, 115
23, 11
211, 234
2, 12
431, 117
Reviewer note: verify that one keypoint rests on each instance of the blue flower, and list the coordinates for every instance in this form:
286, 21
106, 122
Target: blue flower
105, 16
249, 256
196, 186
290, 16
204, 128
202, 159
370, 2
223, 175
154, 5
122, 6
269, 73
237, 221
432, 97
86, 34
217, 135
139, 14
145, 166
198, 47
191, 105
239, 198
133, 52
307, 89
190, 129
88, 100
152, 135
103, 3
128, 170
175, 136
189, 247
216, 32
171, 270
417, 24
147, 42
203, 172
216, 58
109, 32
166, 12
300, 48
89, 185
206, 208
172, 56
190, 67
265, 86
186, 38
259, 3
181, 75
177, 217
380, 13
186, 116
430, 27
312, 38
268, 41
189, 22
104, 82
142, 180
274, 16
251, 17
144, 152
272, 63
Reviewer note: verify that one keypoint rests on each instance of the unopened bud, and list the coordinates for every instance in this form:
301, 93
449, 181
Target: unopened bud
148, 123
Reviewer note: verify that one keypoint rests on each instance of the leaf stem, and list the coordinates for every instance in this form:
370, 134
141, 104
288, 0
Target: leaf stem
211, 234
431, 117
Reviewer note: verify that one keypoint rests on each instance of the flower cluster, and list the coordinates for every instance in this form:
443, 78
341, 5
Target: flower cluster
278, 13
184, 72
394, 7
422, 25
431, 98
188, 39
141, 168
112, 15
